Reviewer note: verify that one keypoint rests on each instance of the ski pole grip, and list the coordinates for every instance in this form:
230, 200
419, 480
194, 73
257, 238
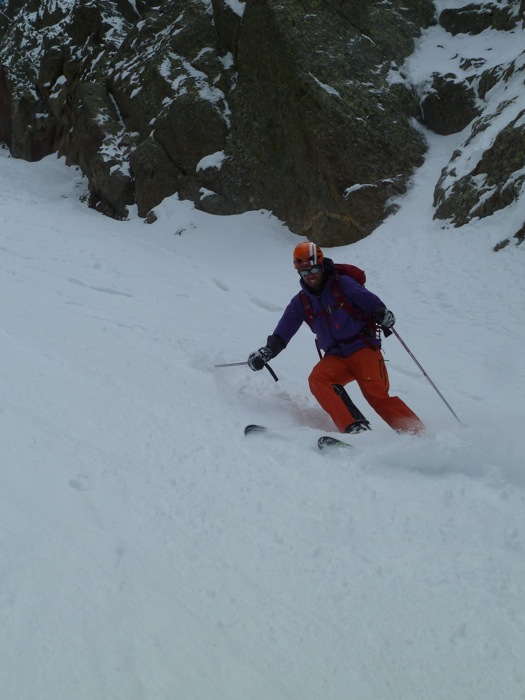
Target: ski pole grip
270, 370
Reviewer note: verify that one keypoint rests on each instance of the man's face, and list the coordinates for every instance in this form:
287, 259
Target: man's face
313, 276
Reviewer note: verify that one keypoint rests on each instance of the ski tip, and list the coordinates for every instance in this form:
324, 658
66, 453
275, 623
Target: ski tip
327, 441
254, 429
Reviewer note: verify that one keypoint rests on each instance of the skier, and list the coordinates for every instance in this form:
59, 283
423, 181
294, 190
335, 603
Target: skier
344, 316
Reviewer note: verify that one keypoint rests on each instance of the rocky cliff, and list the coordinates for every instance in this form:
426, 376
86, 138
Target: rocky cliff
487, 173
299, 108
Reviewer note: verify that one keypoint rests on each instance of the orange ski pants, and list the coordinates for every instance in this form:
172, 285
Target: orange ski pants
368, 369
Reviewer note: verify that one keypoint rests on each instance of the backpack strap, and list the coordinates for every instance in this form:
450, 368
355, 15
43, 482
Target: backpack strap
374, 328
309, 317
307, 307
342, 301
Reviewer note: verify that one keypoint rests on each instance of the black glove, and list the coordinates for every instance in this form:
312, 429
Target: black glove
384, 317
258, 359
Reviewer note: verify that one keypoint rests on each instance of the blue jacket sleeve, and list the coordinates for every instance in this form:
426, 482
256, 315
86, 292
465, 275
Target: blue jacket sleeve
288, 326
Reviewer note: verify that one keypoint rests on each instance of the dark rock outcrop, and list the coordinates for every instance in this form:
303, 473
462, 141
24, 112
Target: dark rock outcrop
475, 18
487, 173
329, 142
234, 105
302, 110
449, 105
494, 183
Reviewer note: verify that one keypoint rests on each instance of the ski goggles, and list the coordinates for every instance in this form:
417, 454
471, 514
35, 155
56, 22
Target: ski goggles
311, 271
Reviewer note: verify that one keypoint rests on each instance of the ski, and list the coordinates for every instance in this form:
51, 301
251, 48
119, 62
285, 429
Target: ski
324, 442
255, 429
327, 442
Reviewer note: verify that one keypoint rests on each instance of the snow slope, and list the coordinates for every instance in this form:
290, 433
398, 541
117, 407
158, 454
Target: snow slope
149, 550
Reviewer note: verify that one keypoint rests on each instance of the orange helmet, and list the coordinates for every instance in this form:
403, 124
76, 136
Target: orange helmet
307, 255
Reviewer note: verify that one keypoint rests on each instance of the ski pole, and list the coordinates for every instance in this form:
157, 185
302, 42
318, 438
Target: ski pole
232, 364
426, 375
238, 364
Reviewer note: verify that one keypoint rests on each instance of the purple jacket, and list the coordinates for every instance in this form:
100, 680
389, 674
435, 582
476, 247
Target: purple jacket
337, 331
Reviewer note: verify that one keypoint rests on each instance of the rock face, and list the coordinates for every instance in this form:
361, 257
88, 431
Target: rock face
449, 105
233, 105
300, 108
495, 181
476, 17
316, 132
479, 185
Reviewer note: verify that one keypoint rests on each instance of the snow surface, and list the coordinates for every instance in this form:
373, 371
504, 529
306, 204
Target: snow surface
149, 550
215, 160
237, 6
